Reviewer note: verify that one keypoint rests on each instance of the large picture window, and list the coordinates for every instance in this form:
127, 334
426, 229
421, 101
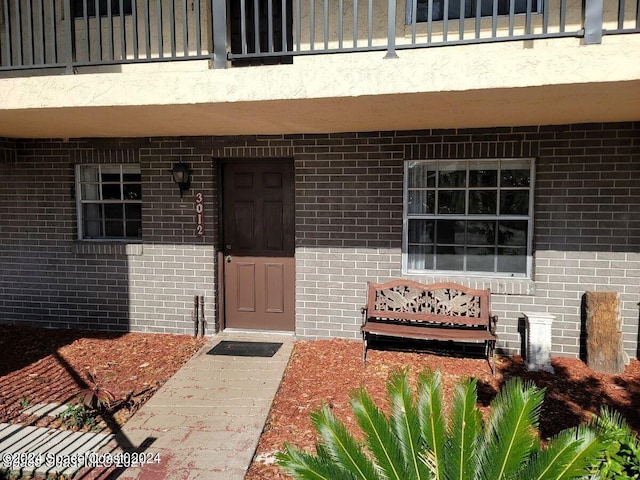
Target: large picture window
468, 216
469, 8
109, 201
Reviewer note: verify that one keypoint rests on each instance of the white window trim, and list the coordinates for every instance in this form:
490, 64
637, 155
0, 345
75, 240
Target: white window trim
79, 202
457, 273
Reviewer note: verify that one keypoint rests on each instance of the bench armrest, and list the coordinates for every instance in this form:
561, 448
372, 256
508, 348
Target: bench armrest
493, 320
364, 311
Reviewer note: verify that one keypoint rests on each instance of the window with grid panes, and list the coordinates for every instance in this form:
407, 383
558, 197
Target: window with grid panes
468, 216
109, 201
469, 8
103, 6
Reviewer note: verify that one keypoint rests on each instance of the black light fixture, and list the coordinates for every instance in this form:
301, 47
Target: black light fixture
182, 176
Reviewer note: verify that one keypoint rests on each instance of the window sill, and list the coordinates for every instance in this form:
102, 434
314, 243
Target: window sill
497, 285
107, 248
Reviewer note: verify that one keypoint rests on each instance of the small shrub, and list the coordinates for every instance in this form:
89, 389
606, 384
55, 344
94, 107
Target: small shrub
96, 396
78, 416
25, 402
622, 459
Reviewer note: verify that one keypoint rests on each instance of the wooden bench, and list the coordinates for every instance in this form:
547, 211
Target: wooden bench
441, 311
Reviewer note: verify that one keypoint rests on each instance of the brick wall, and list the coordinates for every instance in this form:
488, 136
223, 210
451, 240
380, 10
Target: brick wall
50, 279
587, 229
348, 228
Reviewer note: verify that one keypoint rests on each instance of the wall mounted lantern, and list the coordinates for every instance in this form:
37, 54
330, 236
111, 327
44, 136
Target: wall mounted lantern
182, 176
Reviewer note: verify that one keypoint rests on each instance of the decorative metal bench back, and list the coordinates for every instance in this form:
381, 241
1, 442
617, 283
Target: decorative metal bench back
408, 300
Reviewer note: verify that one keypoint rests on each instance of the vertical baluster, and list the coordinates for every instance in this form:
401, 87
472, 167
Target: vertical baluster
198, 29
134, 29
528, 18
18, 25
243, 25
429, 21
494, 20
638, 14
30, 39
147, 27
563, 15
172, 27
512, 16
256, 26
43, 53
463, 13
123, 36
545, 17
445, 21
298, 25
185, 28
69, 44
340, 24
478, 18
7, 32
85, 22
112, 47
270, 25
285, 25
326, 24
355, 23
621, 14
370, 23
414, 20
160, 29
312, 27
96, 5
54, 30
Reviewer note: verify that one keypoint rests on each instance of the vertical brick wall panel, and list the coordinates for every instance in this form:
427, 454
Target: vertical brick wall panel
348, 228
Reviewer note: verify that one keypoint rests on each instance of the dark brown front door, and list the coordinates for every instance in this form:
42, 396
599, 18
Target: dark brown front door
258, 219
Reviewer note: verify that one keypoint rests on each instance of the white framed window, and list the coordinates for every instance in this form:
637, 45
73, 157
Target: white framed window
109, 202
468, 8
472, 217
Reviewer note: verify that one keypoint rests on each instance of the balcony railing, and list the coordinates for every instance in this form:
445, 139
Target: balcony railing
40, 34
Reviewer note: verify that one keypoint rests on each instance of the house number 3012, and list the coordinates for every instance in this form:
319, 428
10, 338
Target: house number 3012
199, 207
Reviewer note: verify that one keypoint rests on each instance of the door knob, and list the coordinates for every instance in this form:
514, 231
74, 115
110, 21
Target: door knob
227, 259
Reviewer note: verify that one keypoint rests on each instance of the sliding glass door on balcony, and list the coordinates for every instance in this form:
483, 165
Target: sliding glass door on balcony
262, 30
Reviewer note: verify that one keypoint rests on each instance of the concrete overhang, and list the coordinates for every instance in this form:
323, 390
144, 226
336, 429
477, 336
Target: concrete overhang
517, 83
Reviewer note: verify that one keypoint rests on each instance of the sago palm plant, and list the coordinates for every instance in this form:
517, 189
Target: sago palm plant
418, 442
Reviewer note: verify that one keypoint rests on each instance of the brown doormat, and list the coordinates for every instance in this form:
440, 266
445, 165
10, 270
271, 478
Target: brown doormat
245, 349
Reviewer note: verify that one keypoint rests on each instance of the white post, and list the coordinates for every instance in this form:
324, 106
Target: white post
538, 341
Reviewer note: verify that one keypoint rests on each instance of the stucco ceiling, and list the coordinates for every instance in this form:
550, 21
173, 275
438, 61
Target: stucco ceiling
555, 104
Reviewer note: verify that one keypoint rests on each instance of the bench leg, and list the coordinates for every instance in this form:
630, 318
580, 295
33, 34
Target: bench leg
364, 349
491, 356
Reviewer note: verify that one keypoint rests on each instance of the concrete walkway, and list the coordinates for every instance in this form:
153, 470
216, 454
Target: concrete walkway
205, 422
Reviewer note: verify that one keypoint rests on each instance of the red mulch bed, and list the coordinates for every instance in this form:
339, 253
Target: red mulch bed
49, 366
327, 370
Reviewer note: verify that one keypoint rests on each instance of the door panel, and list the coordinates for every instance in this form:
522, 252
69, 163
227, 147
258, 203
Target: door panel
258, 219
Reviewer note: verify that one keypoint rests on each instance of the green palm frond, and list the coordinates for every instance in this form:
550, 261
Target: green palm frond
340, 445
415, 442
406, 425
613, 426
433, 421
465, 432
511, 432
381, 439
568, 455
305, 466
